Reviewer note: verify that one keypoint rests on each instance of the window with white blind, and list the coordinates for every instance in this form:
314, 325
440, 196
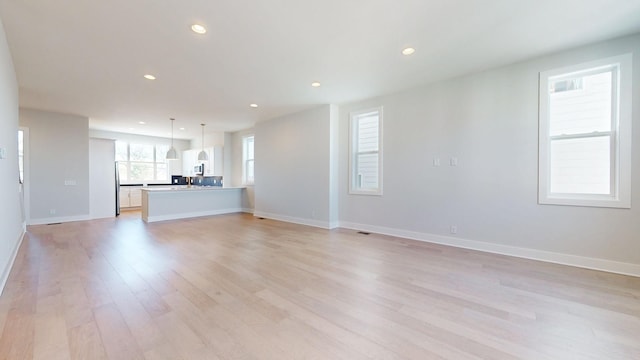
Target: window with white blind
366, 152
585, 134
248, 160
142, 163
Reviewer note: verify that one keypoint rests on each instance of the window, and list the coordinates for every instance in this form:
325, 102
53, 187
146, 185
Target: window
585, 134
142, 163
248, 160
366, 152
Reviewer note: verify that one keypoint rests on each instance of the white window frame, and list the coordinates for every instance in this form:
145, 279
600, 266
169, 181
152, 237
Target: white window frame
155, 163
246, 160
620, 136
353, 145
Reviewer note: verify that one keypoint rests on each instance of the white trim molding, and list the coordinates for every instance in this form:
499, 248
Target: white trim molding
14, 253
526, 253
62, 219
295, 220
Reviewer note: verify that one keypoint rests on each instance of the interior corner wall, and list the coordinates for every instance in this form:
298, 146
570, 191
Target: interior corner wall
58, 154
292, 169
489, 122
102, 178
11, 218
235, 171
334, 166
227, 156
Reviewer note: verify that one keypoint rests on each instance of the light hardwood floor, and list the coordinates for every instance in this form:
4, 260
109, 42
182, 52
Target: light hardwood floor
236, 287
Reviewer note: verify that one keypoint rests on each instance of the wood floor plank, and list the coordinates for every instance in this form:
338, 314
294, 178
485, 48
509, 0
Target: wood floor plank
116, 336
50, 340
236, 287
85, 342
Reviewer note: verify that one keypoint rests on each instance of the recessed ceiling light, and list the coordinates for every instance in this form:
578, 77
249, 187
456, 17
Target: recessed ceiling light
408, 51
181, 128
315, 84
141, 122
149, 77
253, 105
198, 29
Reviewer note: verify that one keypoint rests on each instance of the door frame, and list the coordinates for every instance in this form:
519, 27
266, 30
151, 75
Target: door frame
26, 194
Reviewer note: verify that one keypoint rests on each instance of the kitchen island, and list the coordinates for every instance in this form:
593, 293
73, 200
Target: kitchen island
180, 202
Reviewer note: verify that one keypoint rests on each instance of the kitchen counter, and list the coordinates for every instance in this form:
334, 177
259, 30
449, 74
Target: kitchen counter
189, 188
180, 202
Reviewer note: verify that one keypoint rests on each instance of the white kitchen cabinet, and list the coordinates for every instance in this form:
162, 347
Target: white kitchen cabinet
130, 197
124, 198
217, 161
212, 167
189, 160
135, 197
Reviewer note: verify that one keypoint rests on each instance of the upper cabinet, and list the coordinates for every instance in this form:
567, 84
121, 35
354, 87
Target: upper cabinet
189, 158
212, 167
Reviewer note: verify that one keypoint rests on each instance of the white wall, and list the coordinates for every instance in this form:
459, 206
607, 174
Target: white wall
489, 121
58, 152
211, 139
102, 181
175, 166
292, 167
334, 166
227, 158
11, 221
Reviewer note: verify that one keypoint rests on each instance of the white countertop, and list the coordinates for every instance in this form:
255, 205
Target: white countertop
189, 188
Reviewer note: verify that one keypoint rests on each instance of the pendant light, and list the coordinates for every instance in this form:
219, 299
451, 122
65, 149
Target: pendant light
172, 154
202, 156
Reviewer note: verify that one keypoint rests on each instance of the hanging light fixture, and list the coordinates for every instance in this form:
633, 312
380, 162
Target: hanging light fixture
172, 154
202, 156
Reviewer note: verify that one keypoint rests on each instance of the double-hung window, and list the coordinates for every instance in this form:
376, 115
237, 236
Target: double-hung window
365, 175
585, 134
142, 163
248, 160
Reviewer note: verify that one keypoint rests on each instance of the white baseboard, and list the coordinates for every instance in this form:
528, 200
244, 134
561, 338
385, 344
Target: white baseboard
247, 210
62, 219
533, 254
12, 259
191, 215
291, 219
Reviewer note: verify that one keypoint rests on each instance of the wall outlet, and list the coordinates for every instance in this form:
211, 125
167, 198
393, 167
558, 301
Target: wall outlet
70, 183
453, 229
453, 161
52, 211
436, 161
3, 153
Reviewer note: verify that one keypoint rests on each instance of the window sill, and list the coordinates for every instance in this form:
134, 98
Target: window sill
364, 192
603, 202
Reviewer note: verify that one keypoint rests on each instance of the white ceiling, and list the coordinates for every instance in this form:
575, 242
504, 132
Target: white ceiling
88, 57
